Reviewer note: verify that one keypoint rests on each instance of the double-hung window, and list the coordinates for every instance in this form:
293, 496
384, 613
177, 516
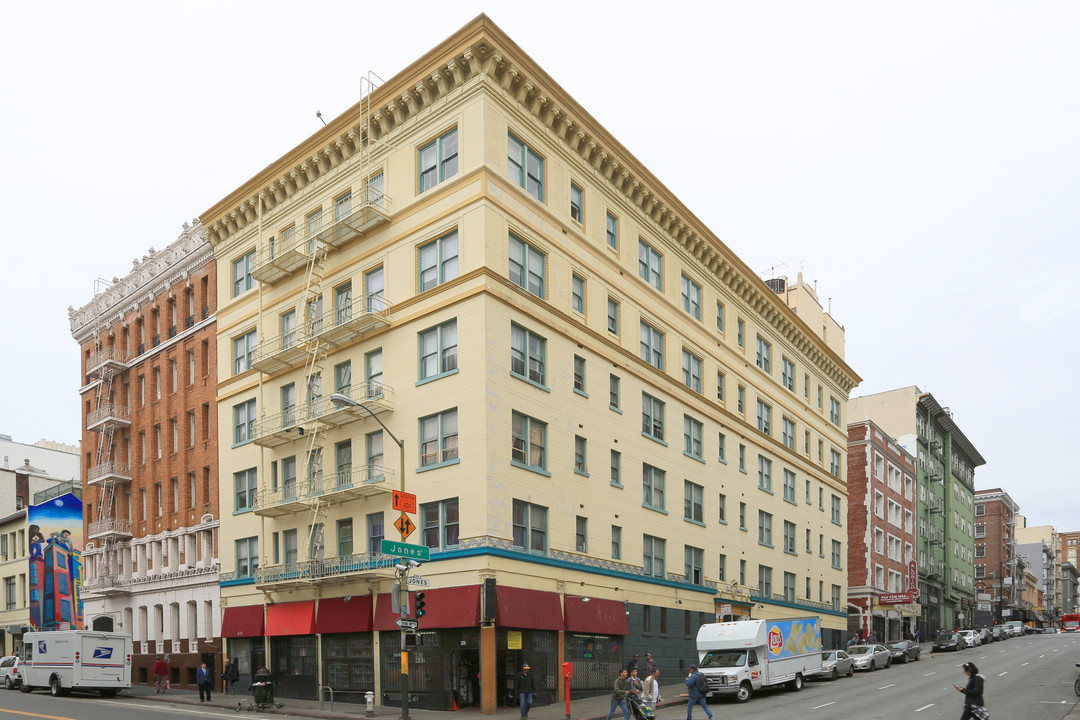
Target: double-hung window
243, 349
577, 204
525, 167
613, 316
834, 411
246, 485
580, 455
693, 502
693, 565
764, 528
788, 433
530, 526
836, 554
653, 551
438, 261
764, 354
789, 486
243, 422
691, 371
579, 375
764, 417
437, 161
834, 463
789, 537
577, 293
652, 417
612, 231
765, 580
439, 438
242, 273
440, 524
652, 345
529, 442
690, 293
692, 435
787, 374
527, 351
438, 350
764, 473
650, 265
613, 392
836, 516
652, 486
247, 557
527, 266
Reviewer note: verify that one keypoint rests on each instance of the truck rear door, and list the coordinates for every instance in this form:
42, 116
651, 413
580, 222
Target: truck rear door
102, 658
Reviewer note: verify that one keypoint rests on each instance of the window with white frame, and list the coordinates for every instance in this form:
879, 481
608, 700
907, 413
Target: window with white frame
652, 417
439, 438
650, 265
690, 294
525, 167
437, 261
652, 345
652, 486
527, 266
527, 354
438, 350
691, 371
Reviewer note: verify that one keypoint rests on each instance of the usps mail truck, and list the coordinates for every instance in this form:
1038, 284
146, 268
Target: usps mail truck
66, 660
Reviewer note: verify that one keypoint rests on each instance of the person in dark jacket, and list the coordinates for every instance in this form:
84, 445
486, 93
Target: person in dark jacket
231, 676
620, 692
523, 690
973, 692
205, 680
697, 690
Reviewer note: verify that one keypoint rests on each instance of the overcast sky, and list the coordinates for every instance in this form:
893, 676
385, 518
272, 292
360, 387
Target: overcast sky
919, 160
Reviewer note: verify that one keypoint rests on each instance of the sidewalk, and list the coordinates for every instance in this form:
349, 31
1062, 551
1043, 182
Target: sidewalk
581, 708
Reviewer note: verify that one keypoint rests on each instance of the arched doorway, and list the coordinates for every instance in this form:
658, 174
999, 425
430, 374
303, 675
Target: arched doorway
103, 623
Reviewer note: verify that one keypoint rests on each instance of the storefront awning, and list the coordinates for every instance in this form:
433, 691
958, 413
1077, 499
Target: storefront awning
295, 618
593, 615
242, 622
344, 615
453, 607
527, 609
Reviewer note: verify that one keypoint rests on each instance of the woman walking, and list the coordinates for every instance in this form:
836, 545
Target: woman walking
974, 706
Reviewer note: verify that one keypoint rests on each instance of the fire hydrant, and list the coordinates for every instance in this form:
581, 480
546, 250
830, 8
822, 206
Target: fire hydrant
370, 698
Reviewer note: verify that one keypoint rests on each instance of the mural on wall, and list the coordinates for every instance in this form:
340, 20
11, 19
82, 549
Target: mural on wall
55, 549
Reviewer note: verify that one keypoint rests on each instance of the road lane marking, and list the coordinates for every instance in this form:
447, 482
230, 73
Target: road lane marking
178, 707
1041, 657
930, 673
1023, 664
33, 714
825, 705
887, 686
1004, 673
924, 707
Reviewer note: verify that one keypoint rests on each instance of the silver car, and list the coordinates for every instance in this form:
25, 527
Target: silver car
835, 663
972, 638
870, 657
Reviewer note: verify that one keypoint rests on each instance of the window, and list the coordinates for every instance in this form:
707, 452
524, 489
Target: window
835, 597
690, 293
741, 335
530, 526
344, 537
376, 532
292, 547
375, 290
740, 400
764, 536
834, 411
616, 542
836, 554
818, 397
616, 468
650, 266
580, 466
577, 293
525, 167
721, 442
438, 350
440, 524
764, 465
581, 534
613, 392
438, 261
243, 422
720, 381
789, 537
788, 433
652, 417
806, 443
809, 546
691, 371
612, 232
247, 557
693, 562
719, 316
653, 549
652, 345
246, 485
174, 375
722, 572
764, 417
529, 442
742, 457
527, 266
241, 270
243, 349
787, 374
834, 463
789, 486
742, 516
527, 350
577, 204
174, 430
789, 587
437, 161
764, 354
693, 502
764, 580
692, 434
579, 374
613, 316
439, 438
191, 428
652, 487
723, 508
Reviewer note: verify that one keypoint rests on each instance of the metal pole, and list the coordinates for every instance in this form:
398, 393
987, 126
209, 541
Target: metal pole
404, 589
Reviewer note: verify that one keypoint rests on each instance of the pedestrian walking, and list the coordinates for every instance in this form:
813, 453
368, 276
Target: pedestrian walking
697, 690
974, 705
205, 680
652, 689
619, 694
650, 666
161, 675
230, 677
637, 685
524, 687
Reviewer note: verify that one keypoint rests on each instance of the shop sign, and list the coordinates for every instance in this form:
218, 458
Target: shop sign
513, 639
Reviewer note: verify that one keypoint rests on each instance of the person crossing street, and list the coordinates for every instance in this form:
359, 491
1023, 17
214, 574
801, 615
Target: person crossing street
697, 690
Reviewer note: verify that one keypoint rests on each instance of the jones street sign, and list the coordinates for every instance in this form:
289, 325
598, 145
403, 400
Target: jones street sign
405, 550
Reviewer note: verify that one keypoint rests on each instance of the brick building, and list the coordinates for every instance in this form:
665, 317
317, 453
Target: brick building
998, 568
882, 577
149, 451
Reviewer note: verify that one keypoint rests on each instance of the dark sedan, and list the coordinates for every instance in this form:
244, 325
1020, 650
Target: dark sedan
905, 651
949, 641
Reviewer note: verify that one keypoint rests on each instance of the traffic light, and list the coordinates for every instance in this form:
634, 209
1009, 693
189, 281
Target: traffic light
419, 605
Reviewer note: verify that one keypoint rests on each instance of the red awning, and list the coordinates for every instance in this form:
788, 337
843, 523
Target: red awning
592, 615
445, 608
341, 615
527, 609
242, 622
295, 618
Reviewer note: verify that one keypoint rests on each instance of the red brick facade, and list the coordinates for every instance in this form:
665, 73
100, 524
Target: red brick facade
995, 553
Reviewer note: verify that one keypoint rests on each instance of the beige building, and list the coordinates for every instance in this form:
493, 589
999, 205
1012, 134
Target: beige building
1048, 571
614, 429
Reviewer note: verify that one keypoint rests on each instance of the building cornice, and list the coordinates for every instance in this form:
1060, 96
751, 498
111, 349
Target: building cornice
480, 51
155, 273
938, 415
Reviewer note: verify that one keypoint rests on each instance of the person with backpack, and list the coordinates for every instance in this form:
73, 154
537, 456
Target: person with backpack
697, 690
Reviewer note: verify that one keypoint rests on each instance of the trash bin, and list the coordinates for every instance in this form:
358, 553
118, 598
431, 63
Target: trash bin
262, 690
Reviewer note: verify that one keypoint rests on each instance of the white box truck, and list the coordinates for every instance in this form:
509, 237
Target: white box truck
739, 658
66, 660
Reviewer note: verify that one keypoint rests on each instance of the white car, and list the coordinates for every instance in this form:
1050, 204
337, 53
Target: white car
9, 671
972, 638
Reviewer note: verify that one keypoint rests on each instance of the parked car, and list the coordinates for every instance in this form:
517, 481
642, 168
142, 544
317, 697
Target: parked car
905, 651
949, 641
835, 663
9, 670
870, 657
986, 635
972, 638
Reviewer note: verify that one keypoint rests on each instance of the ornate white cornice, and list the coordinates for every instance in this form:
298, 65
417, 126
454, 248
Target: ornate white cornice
157, 272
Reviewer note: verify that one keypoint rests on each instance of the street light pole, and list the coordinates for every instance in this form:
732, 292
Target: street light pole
343, 400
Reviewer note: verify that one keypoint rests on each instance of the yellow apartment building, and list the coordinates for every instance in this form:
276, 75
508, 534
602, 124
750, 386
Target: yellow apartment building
615, 431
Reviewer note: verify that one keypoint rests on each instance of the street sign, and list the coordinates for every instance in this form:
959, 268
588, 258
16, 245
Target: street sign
405, 502
394, 547
725, 609
404, 526
418, 580
407, 623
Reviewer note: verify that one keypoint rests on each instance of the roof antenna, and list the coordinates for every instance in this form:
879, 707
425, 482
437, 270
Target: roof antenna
318, 114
